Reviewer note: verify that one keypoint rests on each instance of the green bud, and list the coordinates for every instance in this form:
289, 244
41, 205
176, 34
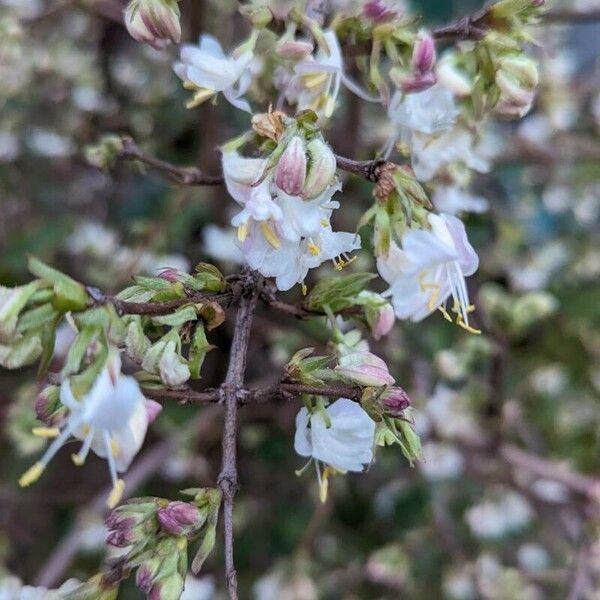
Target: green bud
136, 342
164, 359
337, 292
321, 169
104, 154
259, 16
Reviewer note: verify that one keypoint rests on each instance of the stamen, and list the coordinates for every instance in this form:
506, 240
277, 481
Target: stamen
313, 248
32, 474
324, 223
466, 326
46, 432
315, 79
444, 312
242, 232
79, 458
116, 494
304, 289
201, 96
270, 235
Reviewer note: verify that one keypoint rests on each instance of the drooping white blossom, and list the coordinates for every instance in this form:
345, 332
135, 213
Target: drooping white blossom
207, 70
345, 443
429, 268
111, 419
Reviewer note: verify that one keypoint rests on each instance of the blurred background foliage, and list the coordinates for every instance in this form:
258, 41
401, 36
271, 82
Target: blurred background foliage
466, 523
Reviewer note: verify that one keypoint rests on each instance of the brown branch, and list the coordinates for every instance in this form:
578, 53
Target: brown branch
124, 307
571, 16
279, 391
470, 27
182, 175
230, 394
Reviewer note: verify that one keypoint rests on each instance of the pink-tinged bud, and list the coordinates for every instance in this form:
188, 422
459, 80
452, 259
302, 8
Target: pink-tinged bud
418, 82
167, 588
321, 170
423, 56
180, 518
169, 274
153, 409
395, 400
291, 170
290, 49
154, 22
144, 578
48, 407
379, 11
384, 321
116, 521
364, 368
121, 538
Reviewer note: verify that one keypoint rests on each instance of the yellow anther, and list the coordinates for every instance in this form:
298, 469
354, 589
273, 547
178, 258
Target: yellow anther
32, 474
466, 327
77, 460
201, 96
46, 432
304, 289
324, 488
470, 308
116, 494
324, 223
313, 248
115, 448
242, 232
315, 79
270, 235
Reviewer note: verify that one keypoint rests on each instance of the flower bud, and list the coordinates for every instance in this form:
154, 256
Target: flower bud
154, 22
164, 359
167, 588
153, 409
321, 169
395, 401
521, 68
180, 518
292, 49
146, 574
48, 407
417, 82
364, 368
121, 538
291, 169
379, 11
378, 312
423, 56
452, 78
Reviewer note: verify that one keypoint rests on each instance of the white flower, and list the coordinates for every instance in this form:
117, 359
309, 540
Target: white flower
111, 419
11, 588
318, 78
430, 267
431, 112
282, 236
289, 262
346, 443
206, 69
453, 200
430, 155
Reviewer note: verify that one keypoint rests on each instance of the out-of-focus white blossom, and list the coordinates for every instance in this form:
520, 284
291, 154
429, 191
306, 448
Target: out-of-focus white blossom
220, 243
441, 461
495, 518
11, 588
430, 267
453, 200
533, 557
431, 112
199, 588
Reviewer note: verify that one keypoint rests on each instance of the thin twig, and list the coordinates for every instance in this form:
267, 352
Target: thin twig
234, 380
182, 175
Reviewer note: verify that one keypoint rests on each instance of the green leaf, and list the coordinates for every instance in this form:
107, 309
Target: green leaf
68, 293
178, 318
77, 351
337, 293
199, 348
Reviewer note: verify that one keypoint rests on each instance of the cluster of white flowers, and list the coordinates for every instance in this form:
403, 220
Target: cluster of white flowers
283, 235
